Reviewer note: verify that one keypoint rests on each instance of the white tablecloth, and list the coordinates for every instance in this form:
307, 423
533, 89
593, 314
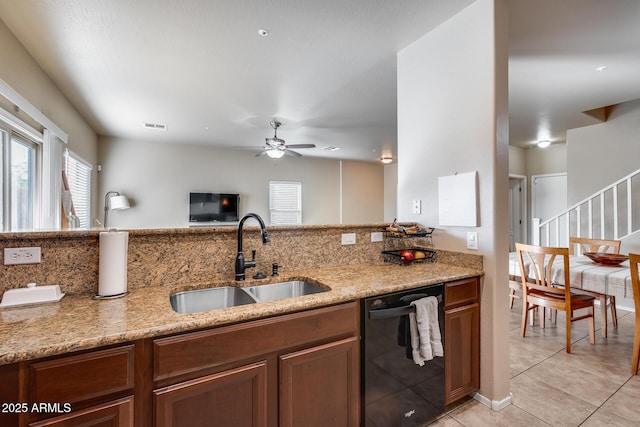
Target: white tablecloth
585, 274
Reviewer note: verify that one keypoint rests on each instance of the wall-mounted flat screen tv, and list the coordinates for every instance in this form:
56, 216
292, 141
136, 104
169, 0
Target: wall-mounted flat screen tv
213, 207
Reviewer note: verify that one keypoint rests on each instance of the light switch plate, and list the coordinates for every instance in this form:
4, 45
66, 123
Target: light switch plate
472, 240
349, 238
376, 236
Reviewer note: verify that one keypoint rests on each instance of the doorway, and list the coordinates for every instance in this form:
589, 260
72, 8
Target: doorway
517, 210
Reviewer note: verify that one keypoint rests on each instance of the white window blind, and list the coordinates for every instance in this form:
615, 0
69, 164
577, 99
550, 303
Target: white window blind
285, 202
78, 173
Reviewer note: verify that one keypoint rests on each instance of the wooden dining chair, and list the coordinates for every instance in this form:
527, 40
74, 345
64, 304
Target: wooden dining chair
580, 245
514, 286
538, 289
634, 259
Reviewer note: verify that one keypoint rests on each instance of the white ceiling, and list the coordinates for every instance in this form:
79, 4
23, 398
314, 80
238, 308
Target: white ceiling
327, 70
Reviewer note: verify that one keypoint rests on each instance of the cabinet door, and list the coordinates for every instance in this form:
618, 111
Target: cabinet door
118, 413
319, 386
237, 397
462, 351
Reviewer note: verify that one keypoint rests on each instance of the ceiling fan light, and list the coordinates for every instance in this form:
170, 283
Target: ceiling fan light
275, 153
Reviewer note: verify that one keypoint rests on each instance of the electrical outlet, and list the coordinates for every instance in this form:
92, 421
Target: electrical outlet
14, 256
349, 238
417, 207
376, 236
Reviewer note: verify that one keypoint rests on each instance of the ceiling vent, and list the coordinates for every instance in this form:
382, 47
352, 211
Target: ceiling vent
155, 126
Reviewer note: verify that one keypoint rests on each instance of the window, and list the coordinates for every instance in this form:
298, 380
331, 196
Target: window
19, 163
285, 202
78, 173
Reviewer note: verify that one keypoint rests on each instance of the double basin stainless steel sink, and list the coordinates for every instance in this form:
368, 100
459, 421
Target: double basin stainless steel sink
231, 296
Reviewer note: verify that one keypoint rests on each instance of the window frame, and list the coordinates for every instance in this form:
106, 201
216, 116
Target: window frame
32, 139
85, 220
273, 212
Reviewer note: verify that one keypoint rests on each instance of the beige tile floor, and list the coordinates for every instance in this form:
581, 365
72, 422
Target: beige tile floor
592, 386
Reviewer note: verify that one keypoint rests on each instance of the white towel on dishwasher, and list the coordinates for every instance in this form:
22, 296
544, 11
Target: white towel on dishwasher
426, 341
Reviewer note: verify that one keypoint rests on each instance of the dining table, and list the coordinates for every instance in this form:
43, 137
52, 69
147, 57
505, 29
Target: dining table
614, 280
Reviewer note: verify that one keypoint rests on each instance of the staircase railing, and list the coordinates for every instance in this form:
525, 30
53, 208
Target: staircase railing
611, 213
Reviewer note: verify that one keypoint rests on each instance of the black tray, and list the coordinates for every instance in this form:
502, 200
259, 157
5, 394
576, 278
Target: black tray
420, 233
396, 257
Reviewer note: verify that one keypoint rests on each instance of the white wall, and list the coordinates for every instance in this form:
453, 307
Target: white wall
518, 160
600, 154
452, 117
158, 177
541, 161
20, 71
390, 192
362, 192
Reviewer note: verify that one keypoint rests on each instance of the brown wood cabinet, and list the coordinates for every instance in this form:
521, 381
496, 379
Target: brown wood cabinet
319, 386
93, 388
118, 413
462, 338
291, 370
236, 397
298, 369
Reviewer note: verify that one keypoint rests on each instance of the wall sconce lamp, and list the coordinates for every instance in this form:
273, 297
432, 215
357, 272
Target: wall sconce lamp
114, 201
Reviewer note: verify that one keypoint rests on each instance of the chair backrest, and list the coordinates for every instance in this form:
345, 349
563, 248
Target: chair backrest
634, 260
537, 269
584, 244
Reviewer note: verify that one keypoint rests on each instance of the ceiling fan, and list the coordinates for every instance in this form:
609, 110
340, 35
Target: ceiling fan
276, 147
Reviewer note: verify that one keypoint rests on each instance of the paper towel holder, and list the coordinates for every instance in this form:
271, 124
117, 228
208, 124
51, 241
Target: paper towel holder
116, 202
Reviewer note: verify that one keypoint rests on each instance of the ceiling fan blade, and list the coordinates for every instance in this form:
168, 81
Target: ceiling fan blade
301, 146
292, 153
262, 153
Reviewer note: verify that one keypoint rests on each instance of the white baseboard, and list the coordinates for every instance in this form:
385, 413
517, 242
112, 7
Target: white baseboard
496, 405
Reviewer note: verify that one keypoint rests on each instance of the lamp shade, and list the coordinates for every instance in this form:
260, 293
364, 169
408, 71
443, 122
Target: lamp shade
118, 203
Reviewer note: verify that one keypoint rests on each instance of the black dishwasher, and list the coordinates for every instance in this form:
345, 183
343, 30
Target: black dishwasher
396, 391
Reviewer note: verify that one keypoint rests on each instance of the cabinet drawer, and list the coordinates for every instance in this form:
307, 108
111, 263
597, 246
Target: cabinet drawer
461, 292
84, 376
196, 351
116, 413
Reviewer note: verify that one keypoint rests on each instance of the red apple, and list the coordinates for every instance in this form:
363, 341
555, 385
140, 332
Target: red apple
406, 257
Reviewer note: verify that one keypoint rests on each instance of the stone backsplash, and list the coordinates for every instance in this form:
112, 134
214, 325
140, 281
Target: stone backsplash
193, 256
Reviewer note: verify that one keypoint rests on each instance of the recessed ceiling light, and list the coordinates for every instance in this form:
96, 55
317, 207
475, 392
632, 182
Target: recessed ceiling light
544, 143
263, 32
386, 160
331, 148
601, 68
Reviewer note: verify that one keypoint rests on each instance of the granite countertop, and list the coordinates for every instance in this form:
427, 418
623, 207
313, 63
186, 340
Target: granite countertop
81, 322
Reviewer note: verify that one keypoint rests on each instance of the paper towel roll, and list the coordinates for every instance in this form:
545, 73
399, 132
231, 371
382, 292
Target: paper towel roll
112, 276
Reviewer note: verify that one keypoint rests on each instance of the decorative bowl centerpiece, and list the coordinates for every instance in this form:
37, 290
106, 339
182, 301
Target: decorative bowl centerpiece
605, 258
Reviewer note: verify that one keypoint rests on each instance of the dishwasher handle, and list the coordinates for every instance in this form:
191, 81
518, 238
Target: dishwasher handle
388, 313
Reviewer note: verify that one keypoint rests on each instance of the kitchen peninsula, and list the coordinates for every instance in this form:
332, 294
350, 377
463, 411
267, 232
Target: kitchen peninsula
130, 335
